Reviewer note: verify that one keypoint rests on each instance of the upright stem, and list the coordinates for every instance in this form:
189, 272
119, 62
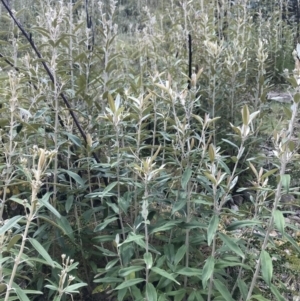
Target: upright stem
284, 161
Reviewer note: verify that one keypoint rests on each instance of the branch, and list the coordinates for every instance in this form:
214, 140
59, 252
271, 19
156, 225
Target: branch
31, 42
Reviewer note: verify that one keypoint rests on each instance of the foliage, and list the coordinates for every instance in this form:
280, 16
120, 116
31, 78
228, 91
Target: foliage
118, 181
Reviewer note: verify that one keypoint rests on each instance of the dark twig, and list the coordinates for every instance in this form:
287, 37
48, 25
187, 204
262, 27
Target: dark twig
30, 40
190, 61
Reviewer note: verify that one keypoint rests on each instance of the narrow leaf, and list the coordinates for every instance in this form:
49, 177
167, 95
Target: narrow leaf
223, 290
73, 288
10, 223
259, 298
151, 294
104, 224
22, 296
208, 270
240, 224
266, 267
190, 272
231, 244
148, 260
111, 103
286, 180
179, 254
127, 271
45, 202
212, 228
243, 288
276, 293
164, 274
186, 177
292, 241
167, 226
41, 250
111, 264
269, 173
129, 283
279, 221
74, 139
245, 115
231, 143
13, 241
75, 177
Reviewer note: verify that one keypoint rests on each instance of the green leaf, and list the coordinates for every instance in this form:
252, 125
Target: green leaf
10, 223
221, 264
192, 296
65, 225
104, 224
179, 254
190, 272
231, 143
178, 205
266, 266
223, 290
108, 280
53, 223
108, 188
32, 292
42, 31
22, 296
164, 274
186, 177
121, 294
111, 102
74, 176
165, 227
148, 260
129, 283
198, 295
259, 298
211, 153
208, 270
69, 202
13, 241
279, 221
73, 288
292, 241
42, 251
243, 288
111, 264
212, 228
151, 294
231, 244
297, 97
107, 252
136, 293
132, 237
276, 293
113, 206
74, 139
286, 180
210, 177
245, 115
241, 224
269, 173
178, 294
127, 271
45, 202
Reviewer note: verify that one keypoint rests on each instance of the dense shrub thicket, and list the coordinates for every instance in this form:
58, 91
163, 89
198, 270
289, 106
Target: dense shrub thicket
141, 156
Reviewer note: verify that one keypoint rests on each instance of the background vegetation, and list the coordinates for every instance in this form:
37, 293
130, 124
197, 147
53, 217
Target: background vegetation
124, 179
